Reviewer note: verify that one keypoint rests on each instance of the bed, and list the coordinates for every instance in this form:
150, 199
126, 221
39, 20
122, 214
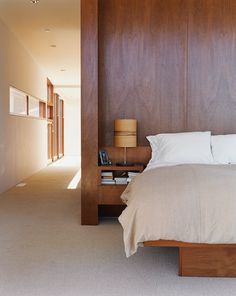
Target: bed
187, 205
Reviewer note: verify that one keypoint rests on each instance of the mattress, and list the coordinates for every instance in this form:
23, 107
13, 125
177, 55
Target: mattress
188, 203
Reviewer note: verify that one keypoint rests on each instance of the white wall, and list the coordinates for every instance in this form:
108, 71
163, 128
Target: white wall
23, 141
72, 126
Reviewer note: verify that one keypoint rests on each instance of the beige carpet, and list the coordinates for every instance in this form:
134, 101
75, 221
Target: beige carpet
45, 251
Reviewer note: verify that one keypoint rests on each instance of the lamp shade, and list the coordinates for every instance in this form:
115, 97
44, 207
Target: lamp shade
125, 134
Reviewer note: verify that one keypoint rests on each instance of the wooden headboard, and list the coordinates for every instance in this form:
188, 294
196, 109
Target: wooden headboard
170, 64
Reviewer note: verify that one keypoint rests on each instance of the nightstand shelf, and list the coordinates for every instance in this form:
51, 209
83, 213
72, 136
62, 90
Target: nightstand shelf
136, 167
109, 194
113, 185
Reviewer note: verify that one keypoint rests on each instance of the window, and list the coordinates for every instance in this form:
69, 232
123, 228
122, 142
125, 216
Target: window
18, 102
25, 105
34, 107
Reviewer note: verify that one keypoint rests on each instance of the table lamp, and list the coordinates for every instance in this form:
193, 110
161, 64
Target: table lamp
125, 136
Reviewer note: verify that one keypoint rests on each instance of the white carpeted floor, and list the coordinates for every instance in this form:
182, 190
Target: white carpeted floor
44, 251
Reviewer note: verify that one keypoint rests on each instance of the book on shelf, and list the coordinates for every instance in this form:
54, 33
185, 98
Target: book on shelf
121, 180
118, 177
133, 174
106, 174
108, 181
107, 177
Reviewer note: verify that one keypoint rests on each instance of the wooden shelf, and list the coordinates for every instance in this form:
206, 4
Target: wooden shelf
109, 194
113, 185
136, 167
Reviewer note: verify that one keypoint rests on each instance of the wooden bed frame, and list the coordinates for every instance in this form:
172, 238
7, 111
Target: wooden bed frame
211, 260
202, 260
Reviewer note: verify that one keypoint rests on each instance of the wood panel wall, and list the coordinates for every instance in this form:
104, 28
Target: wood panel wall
169, 64
211, 87
89, 111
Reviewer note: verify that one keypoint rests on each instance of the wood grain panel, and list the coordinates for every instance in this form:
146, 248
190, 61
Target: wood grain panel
89, 110
214, 261
180, 244
110, 194
142, 54
211, 66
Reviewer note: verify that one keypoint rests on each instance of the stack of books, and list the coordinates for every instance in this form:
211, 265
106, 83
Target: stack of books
107, 178
121, 180
131, 176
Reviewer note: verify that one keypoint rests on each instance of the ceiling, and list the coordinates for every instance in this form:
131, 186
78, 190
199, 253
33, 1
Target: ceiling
46, 24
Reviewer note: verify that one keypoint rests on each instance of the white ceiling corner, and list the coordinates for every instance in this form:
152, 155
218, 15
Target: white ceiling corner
62, 17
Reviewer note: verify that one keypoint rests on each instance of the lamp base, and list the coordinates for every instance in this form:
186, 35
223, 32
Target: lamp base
124, 164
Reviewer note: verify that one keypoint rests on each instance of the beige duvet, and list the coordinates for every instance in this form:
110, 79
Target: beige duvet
189, 203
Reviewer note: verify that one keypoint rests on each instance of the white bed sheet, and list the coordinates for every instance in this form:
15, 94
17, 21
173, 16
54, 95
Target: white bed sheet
189, 203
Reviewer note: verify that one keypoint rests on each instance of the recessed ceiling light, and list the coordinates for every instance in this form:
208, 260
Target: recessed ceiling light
47, 30
34, 1
63, 70
53, 45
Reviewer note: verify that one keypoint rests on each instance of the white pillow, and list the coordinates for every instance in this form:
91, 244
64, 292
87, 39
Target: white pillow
224, 149
189, 147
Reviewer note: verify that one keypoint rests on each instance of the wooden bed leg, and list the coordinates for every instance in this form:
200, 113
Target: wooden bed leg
207, 261
180, 261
